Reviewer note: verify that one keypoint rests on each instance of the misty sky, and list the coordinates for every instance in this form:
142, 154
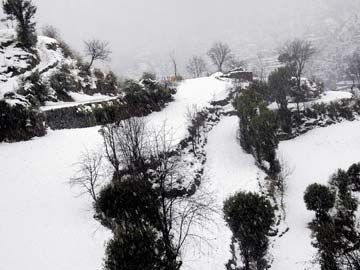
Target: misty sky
142, 33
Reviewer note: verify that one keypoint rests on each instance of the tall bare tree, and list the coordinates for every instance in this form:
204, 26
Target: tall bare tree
220, 53
196, 66
296, 54
97, 50
174, 64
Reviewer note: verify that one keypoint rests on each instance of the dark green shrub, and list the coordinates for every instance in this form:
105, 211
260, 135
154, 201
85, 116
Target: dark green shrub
250, 218
319, 198
136, 249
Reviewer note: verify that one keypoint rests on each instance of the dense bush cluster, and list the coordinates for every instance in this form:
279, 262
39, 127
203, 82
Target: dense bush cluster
19, 122
336, 234
67, 79
321, 115
147, 92
258, 127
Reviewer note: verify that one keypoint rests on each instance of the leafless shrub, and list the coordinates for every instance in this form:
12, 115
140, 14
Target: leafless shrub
196, 120
125, 143
89, 176
281, 182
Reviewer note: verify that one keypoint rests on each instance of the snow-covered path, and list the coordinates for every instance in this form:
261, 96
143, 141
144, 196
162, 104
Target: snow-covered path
229, 169
314, 158
43, 224
197, 92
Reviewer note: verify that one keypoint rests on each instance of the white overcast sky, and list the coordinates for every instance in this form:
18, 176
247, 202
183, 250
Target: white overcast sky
142, 31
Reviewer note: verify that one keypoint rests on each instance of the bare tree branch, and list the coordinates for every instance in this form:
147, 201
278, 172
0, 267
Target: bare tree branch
89, 176
97, 50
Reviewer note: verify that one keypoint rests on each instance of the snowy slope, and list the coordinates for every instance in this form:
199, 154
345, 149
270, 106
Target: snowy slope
44, 225
314, 157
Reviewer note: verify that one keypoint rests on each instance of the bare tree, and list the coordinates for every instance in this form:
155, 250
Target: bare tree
196, 66
97, 50
260, 67
353, 67
296, 54
89, 175
219, 54
181, 213
174, 64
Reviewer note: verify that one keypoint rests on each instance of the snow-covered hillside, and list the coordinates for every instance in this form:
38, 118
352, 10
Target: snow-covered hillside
47, 58
42, 218
45, 222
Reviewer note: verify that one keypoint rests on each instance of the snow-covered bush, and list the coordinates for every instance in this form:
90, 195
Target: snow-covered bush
34, 89
63, 82
250, 217
147, 92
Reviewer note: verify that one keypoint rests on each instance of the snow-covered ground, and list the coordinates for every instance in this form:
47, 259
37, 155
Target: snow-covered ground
44, 225
326, 98
314, 157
